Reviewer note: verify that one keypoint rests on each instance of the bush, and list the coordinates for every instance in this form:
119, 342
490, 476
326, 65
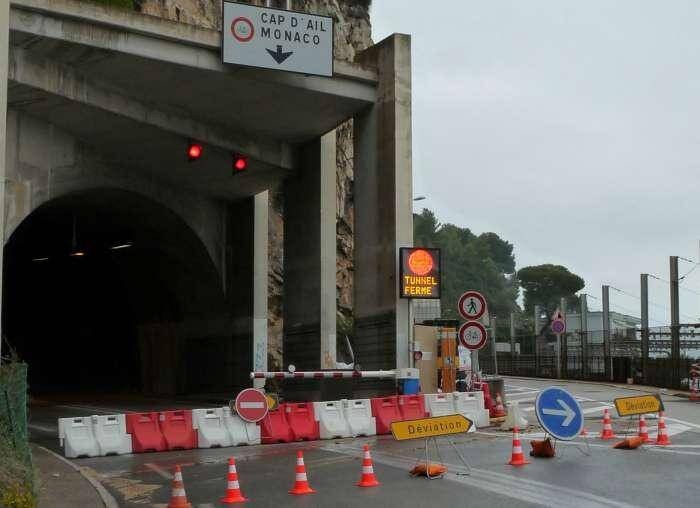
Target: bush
16, 476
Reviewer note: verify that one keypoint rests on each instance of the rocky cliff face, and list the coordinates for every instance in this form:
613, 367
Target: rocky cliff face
352, 34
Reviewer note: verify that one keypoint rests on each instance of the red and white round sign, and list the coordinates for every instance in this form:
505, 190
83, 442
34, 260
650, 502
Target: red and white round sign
251, 405
471, 305
242, 29
472, 335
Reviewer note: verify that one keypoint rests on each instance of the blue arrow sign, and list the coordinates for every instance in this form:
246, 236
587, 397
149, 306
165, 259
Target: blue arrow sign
559, 413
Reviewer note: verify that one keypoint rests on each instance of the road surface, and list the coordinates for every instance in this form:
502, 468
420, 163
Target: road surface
583, 475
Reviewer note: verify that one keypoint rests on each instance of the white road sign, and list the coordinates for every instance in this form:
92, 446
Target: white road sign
472, 305
277, 39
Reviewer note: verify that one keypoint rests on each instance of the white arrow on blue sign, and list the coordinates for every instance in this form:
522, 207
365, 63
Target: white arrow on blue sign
559, 413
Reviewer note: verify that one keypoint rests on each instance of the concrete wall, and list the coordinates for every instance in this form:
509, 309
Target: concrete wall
44, 163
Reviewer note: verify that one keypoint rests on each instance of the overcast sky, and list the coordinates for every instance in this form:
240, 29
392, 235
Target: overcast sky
570, 128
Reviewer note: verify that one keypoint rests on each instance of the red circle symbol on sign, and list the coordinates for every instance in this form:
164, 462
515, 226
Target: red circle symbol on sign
242, 29
420, 262
558, 326
251, 405
471, 305
472, 335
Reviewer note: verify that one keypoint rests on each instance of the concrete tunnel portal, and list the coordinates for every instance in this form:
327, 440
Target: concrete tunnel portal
96, 159
100, 287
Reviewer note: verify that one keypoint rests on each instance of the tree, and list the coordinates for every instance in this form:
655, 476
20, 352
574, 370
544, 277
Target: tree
469, 262
546, 285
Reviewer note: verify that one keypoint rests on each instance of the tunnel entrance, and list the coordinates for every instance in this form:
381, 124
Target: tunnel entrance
108, 291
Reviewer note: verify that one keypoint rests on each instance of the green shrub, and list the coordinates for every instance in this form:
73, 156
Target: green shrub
124, 4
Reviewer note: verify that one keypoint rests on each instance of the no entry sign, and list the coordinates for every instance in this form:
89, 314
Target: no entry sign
472, 305
472, 335
251, 405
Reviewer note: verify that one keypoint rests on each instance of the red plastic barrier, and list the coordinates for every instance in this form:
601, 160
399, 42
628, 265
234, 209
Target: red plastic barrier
177, 429
385, 410
275, 429
145, 432
488, 401
300, 416
412, 407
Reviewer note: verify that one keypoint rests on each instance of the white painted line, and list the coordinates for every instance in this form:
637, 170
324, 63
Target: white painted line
526, 399
515, 487
590, 410
44, 428
93, 409
682, 422
252, 405
159, 471
665, 449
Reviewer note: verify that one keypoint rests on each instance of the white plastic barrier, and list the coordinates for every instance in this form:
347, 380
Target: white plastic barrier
358, 414
440, 404
239, 431
211, 431
514, 417
471, 405
110, 431
77, 437
331, 419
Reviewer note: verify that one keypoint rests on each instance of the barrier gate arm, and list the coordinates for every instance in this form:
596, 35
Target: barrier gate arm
326, 374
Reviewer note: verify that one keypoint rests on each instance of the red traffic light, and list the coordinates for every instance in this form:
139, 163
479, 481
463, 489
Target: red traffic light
240, 162
194, 151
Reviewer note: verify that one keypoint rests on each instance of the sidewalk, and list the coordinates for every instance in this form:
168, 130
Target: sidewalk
61, 485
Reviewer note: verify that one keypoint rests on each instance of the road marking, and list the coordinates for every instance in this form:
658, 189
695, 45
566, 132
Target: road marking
682, 422
43, 428
93, 409
590, 410
543, 494
158, 470
680, 452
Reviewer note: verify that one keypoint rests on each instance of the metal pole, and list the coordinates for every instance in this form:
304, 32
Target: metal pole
675, 321
512, 343
563, 345
537, 340
495, 351
607, 350
644, 292
584, 335
4, 55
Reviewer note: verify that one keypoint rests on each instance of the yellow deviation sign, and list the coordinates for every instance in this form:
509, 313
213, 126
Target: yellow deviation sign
430, 427
628, 406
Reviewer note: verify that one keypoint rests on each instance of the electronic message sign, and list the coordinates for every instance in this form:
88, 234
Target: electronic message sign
421, 272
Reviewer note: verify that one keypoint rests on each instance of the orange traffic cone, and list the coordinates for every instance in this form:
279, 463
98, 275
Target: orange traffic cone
233, 490
584, 432
662, 436
301, 483
367, 479
178, 497
607, 432
499, 411
517, 458
643, 431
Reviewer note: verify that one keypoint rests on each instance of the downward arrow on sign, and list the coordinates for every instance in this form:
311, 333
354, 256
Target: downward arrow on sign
279, 55
567, 412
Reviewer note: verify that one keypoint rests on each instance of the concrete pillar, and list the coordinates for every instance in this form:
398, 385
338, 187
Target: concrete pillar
310, 258
383, 208
4, 48
246, 287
